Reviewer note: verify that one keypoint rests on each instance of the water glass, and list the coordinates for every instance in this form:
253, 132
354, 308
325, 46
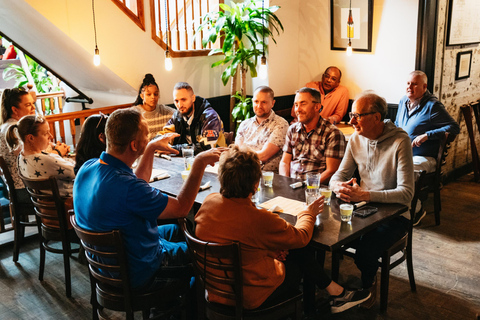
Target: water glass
327, 193
313, 180
256, 196
346, 210
311, 195
267, 178
188, 154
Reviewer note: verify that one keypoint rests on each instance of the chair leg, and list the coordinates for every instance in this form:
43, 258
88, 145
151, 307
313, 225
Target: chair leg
384, 282
66, 266
437, 204
19, 233
42, 261
411, 276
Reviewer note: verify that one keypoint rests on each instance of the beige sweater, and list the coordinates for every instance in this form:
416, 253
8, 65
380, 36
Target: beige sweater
261, 233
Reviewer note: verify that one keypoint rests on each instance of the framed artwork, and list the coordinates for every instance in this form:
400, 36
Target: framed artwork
463, 22
464, 63
362, 13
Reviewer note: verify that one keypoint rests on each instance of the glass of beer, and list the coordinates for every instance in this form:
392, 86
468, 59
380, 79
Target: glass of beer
327, 193
267, 178
346, 210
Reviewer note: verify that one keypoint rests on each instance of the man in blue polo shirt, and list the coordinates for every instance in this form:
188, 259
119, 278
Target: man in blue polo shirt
109, 195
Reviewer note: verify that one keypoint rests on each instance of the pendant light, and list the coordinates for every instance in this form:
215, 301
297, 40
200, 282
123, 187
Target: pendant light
96, 56
168, 58
263, 71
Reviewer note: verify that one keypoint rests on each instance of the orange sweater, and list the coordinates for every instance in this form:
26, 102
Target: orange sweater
261, 233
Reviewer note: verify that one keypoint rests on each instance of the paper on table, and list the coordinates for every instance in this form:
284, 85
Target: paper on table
211, 169
158, 174
293, 207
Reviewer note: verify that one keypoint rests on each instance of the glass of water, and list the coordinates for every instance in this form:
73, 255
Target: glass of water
188, 155
311, 195
313, 180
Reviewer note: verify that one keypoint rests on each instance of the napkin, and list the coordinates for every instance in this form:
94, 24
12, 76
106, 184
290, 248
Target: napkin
158, 174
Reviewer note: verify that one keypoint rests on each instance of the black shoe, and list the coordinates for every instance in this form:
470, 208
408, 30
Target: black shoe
348, 299
419, 216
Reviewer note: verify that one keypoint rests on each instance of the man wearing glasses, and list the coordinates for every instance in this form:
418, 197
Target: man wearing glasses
382, 153
334, 97
312, 144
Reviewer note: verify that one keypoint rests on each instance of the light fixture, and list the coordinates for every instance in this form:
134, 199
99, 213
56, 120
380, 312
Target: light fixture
96, 56
168, 57
350, 30
263, 71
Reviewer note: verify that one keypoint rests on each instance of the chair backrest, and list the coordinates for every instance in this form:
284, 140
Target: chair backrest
8, 181
420, 186
48, 204
218, 268
442, 152
106, 257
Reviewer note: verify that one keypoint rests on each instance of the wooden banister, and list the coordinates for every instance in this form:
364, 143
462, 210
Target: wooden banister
60, 118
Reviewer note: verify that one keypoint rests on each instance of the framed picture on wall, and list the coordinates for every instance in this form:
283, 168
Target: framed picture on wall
463, 22
360, 31
464, 63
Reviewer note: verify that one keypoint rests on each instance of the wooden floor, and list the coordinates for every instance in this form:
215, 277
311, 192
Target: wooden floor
446, 263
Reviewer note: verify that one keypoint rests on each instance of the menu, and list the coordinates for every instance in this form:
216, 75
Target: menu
284, 205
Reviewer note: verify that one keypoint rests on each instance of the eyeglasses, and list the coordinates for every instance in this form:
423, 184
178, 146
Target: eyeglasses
358, 116
102, 116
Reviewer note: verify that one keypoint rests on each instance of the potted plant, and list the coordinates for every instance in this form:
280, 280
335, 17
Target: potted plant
243, 28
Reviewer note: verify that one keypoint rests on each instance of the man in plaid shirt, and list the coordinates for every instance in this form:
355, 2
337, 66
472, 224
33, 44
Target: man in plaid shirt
312, 144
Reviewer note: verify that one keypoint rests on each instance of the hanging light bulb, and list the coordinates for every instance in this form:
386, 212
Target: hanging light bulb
168, 61
349, 48
263, 70
96, 57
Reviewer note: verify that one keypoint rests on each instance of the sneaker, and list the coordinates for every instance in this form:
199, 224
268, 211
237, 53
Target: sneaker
370, 302
419, 216
348, 300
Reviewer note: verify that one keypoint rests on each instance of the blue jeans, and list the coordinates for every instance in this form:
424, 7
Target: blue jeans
175, 254
371, 246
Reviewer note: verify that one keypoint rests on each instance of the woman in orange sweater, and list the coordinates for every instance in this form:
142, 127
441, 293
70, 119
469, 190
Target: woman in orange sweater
267, 274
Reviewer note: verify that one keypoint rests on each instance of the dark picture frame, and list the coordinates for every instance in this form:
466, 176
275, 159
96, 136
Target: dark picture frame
464, 64
362, 20
463, 22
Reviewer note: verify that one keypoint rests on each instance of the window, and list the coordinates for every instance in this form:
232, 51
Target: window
133, 9
179, 19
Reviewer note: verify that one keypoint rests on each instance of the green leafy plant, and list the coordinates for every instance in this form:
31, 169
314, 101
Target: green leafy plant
242, 27
244, 107
43, 83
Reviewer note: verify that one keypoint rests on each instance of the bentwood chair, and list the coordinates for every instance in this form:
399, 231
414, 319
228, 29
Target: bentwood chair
402, 246
56, 235
434, 179
19, 213
110, 283
218, 271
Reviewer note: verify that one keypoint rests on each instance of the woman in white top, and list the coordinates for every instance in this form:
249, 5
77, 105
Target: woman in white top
33, 161
157, 115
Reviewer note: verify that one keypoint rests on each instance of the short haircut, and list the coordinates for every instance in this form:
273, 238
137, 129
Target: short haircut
10, 98
421, 74
375, 103
122, 127
313, 92
183, 85
27, 125
265, 89
238, 172
333, 67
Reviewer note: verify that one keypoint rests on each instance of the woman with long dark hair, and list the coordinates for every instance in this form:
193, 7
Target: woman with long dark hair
92, 140
157, 115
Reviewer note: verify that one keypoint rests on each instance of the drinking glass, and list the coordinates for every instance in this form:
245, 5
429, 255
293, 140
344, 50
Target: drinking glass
188, 154
313, 180
327, 193
346, 210
256, 196
267, 178
311, 195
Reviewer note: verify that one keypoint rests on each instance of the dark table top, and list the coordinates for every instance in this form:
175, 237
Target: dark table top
330, 232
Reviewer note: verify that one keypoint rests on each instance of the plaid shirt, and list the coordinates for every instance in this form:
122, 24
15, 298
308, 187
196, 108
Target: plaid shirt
310, 150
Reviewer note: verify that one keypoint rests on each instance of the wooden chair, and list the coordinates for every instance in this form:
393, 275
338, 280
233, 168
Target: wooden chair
434, 179
109, 280
47, 201
222, 268
467, 114
19, 213
403, 246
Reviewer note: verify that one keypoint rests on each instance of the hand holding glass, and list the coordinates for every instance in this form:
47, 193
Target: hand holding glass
311, 195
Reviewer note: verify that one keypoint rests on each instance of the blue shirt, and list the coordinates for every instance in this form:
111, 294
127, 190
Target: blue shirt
107, 195
429, 117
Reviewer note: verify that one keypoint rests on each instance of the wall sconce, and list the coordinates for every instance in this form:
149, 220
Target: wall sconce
96, 56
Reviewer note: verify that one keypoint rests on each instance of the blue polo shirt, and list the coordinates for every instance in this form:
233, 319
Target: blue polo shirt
106, 196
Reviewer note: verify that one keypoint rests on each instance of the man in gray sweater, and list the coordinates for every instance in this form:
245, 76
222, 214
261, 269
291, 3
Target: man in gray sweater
382, 153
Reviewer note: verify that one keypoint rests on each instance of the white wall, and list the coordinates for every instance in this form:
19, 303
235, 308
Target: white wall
303, 50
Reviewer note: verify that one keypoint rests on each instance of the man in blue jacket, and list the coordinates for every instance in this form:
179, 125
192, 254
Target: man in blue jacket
425, 119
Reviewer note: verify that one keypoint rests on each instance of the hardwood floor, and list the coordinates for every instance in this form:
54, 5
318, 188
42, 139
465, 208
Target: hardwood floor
446, 263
